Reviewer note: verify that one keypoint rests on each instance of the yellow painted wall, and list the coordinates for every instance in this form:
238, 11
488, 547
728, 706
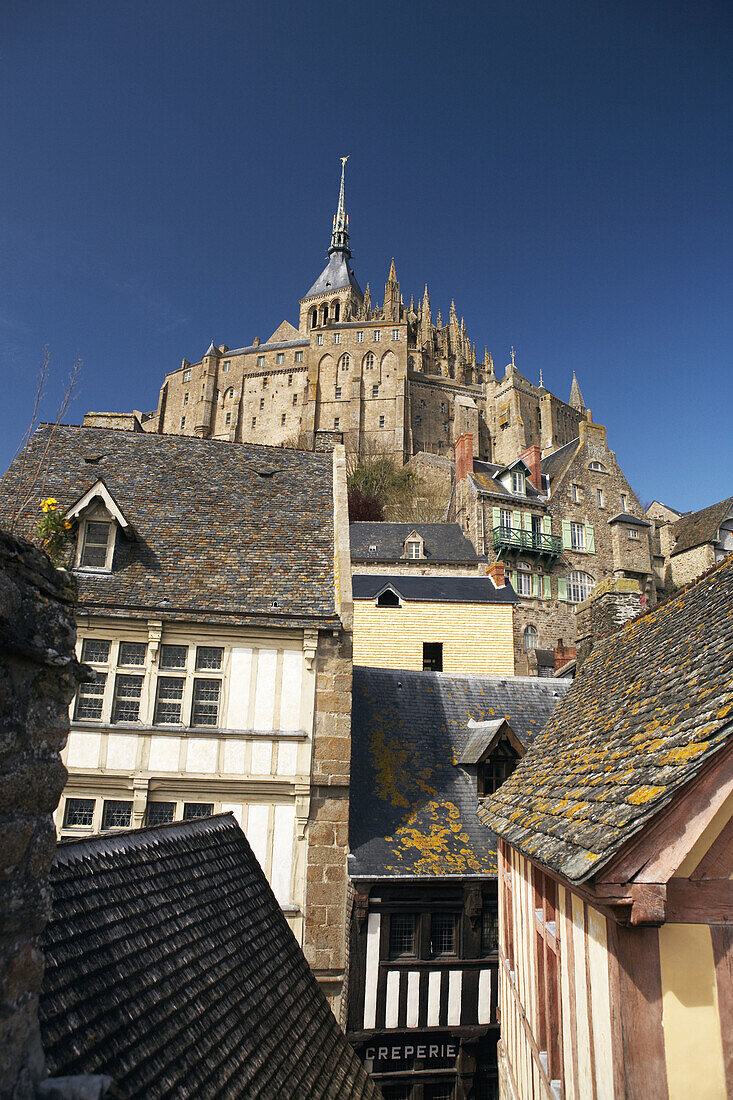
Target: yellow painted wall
477, 638
692, 1042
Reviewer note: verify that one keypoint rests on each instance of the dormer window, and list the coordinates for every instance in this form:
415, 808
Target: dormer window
413, 549
99, 517
518, 482
495, 750
96, 544
414, 546
496, 769
388, 598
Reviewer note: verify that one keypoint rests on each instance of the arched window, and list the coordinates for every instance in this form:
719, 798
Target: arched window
314, 317
388, 598
324, 313
580, 586
368, 361
335, 311
230, 393
530, 638
345, 362
597, 466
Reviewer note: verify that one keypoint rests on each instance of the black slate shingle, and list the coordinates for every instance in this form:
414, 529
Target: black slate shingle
170, 967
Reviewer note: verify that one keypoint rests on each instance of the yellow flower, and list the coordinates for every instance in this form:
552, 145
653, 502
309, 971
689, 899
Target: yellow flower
49, 504
67, 525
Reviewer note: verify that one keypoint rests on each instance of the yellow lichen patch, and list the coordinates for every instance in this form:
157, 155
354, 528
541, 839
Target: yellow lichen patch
432, 832
395, 771
725, 711
645, 794
686, 753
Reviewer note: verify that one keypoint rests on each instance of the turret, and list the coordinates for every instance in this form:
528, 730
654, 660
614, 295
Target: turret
392, 296
576, 397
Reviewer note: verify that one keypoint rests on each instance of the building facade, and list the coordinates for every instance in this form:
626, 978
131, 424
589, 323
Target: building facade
214, 612
615, 863
561, 524
388, 376
422, 1001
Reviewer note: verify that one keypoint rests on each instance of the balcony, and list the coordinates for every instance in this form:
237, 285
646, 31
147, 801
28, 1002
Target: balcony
509, 540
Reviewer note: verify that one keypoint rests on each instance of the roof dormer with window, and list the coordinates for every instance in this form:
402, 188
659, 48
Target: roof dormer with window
414, 547
99, 518
494, 750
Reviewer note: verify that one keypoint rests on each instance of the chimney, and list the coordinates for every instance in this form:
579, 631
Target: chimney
496, 572
532, 456
464, 456
611, 605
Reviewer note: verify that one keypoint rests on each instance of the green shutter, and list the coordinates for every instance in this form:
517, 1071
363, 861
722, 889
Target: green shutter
517, 521
546, 525
567, 541
547, 588
535, 585
496, 512
562, 587
513, 578
526, 521
590, 539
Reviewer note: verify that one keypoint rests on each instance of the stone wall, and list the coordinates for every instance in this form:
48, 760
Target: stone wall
38, 675
609, 607
328, 824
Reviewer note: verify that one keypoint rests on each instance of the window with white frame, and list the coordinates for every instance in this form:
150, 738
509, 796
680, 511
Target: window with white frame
79, 812
338, 393
185, 399
517, 482
96, 544
575, 494
624, 502
395, 334
228, 418
597, 466
580, 586
524, 581
226, 366
360, 337
280, 358
505, 519
126, 702
116, 815
530, 639
187, 376
345, 362
298, 357
337, 337
260, 360
577, 536
369, 361
377, 336
599, 497
633, 533
319, 339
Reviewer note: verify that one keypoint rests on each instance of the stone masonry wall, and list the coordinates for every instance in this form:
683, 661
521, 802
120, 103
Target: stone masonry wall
38, 676
328, 826
612, 603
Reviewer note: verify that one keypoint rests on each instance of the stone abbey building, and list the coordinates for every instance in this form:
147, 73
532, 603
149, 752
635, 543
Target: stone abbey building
389, 376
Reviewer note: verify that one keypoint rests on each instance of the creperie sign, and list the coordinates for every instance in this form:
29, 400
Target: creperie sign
403, 1052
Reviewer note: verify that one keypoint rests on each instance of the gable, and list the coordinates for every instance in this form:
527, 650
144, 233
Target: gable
284, 331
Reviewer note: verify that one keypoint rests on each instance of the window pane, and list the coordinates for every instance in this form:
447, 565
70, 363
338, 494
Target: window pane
209, 656
577, 536
126, 706
193, 810
132, 653
169, 698
160, 813
94, 553
402, 934
443, 934
489, 931
95, 652
79, 811
173, 656
205, 702
117, 815
89, 698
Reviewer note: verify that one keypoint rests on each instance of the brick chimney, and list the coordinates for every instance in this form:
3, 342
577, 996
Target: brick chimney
533, 456
496, 572
464, 456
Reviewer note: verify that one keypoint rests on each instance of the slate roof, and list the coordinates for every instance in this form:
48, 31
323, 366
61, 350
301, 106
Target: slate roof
697, 528
413, 811
275, 345
626, 517
647, 710
437, 589
170, 967
484, 477
554, 464
219, 529
443, 542
336, 274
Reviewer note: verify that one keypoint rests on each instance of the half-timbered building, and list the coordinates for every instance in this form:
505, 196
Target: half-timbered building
423, 957
615, 863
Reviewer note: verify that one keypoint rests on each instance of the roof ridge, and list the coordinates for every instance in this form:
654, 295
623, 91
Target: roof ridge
70, 850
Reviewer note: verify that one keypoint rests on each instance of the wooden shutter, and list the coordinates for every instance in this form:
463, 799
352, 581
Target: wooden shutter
562, 586
547, 588
517, 521
535, 585
546, 525
590, 539
526, 521
496, 514
567, 540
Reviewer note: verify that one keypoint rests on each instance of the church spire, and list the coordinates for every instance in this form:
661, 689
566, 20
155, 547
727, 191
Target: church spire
576, 397
340, 234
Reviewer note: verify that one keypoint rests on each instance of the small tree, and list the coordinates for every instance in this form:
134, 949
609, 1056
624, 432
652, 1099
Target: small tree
375, 475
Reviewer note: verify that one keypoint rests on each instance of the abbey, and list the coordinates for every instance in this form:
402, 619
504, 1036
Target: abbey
387, 376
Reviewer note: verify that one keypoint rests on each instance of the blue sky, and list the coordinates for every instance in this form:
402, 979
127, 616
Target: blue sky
563, 169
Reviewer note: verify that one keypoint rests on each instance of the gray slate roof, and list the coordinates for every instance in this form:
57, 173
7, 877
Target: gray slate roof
485, 476
697, 528
170, 967
646, 712
413, 811
219, 529
439, 589
336, 274
554, 464
443, 542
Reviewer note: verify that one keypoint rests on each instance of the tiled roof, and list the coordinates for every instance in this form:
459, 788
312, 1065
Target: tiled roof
413, 811
648, 708
443, 542
557, 462
219, 529
696, 528
170, 967
438, 589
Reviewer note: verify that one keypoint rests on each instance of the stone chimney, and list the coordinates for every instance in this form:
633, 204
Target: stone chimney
464, 456
610, 605
497, 574
533, 456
